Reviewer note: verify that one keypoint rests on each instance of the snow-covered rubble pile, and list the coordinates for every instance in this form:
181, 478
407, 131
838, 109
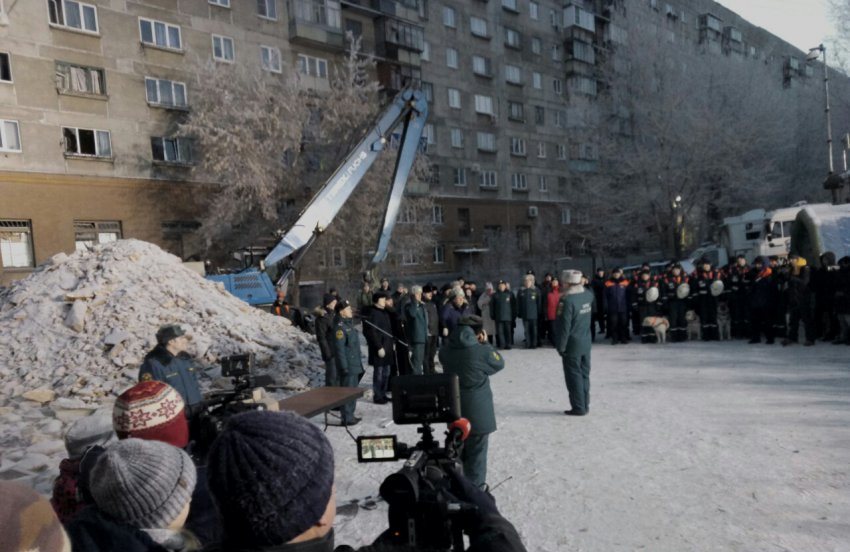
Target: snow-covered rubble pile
81, 324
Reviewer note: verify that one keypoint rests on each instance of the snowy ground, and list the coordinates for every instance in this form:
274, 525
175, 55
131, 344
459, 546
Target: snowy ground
687, 447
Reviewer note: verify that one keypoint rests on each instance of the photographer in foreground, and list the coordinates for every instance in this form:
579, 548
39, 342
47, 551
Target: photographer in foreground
271, 475
469, 355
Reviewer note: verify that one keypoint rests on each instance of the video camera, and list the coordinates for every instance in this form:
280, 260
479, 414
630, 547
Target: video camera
220, 405
422, 510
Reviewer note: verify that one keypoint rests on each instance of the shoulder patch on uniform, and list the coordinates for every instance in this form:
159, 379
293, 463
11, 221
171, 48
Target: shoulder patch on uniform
496, 356
147, 376
340, 334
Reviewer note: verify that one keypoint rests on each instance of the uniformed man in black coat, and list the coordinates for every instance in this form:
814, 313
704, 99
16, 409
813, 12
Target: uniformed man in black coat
529, 305
325, 337
503, 310
378, 330
432, 345
169, 362
597, 285
347, 354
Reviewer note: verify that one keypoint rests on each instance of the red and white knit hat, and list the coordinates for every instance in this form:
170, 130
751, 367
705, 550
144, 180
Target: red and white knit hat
151, 410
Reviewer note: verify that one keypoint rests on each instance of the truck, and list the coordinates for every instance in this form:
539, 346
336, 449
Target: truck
756, 233
409, 110
821, 228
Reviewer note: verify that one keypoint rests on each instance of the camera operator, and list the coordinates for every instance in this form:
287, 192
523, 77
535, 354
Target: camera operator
272, 477
169, 362
469, 355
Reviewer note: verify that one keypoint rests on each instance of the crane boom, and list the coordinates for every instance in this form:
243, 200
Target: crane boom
410, 108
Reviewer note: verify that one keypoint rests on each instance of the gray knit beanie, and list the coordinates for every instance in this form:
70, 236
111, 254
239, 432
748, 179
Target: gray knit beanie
145, 484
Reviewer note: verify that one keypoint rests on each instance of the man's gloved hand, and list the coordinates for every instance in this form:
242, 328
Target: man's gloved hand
466, 491
382, 353
445, 332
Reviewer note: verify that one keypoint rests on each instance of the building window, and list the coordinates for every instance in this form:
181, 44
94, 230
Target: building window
556, 52
439, 254
10, 138
437, 214
464, 224
523, 236
478, 27
562, 152
583, 85
165, 93
575, 16
425, 55
270, 59
222, 47
481, 66
486, 141
534, 10
488, 179
460, 176
513, 74
542, 184
428, 133
539, 115
16, 244
5, 67
409, 257
510, 5
428, 91
87, 142
541, 150
483, 104
537, 80
517, 146
77, 79
407, 215
449, 17
73, 15
451, 58
582, 51
159, 34
512, 38
353, 27
313, 66
171, 150
457, 137
519, 182
557, 86
566, 216
536, 45
222, 3
560, 118
454, 98
90, 233
337, 257
319, 12
515, 111
267, 9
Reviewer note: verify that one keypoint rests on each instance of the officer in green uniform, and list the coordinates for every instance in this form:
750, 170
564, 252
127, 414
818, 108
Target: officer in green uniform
349, 365
572, 339
503, 311
529, 300
468, 355
170, 363
417, 329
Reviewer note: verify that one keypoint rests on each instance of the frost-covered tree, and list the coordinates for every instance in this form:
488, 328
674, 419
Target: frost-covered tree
268, 142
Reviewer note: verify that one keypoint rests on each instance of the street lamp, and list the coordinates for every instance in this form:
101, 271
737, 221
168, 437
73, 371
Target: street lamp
833, 182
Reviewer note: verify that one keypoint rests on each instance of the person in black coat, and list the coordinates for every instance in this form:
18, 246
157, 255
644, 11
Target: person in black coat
738, 278
705, 301
759, 283
616, 301
597, 285
378, 330
325, 338
842, 301
432, 344
401, 361
800, 302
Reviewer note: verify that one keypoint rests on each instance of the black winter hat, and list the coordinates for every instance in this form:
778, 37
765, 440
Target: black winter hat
168, 332
271, 475
341, 305
378, 295
329, 298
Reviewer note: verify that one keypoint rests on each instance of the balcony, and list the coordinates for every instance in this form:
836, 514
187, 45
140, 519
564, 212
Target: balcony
316, 23
404, 9
399, 41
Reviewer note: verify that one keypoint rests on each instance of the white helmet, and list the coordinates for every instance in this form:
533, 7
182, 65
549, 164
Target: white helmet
716, 287
683, 291
652, 294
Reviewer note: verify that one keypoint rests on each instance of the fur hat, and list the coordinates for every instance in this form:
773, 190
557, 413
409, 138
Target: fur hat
571, 277
271, 475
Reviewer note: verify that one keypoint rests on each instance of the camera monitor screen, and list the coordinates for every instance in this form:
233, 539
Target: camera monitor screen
380, 448
236, 365
426, 399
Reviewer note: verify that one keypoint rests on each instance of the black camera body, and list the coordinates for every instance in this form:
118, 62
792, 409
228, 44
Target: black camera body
219, 406
422, 511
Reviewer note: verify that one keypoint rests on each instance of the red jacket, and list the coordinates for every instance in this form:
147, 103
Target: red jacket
552, 299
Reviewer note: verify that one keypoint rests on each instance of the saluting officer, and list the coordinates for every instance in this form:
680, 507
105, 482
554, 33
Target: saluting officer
349, 365
573, 342
169, 362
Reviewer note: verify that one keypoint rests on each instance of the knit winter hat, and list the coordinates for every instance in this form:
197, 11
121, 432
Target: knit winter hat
28, 522
87, 432
145, 484
151, 410
271, 475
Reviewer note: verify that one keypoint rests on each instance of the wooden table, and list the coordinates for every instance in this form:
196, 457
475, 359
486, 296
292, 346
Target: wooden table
320, 400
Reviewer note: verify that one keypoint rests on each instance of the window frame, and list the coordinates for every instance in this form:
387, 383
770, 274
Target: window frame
480, 101
222, 39
9, 226
473, 19
267, 3
452, 58
518, 147
319, 62
449, 17
271, 50
435, 218
88, 69
509, 68
533, 10
8, 57
98, 228
537, 80
181, 144
454, 92
519, 182
220, 3
168, 26
78, 154
541, 149
488, 179
159, 94
542, 183
459, 177
439, 254
4, 137
487, 69
456, 137
64, 24
515, 45
491, 141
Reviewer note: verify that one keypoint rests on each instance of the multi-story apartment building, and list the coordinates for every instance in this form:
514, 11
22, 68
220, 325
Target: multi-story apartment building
90, 93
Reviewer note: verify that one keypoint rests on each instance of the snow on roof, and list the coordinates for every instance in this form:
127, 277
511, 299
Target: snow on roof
81, 324
833, 226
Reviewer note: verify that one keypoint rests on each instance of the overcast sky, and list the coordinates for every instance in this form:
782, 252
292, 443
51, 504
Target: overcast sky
803, 23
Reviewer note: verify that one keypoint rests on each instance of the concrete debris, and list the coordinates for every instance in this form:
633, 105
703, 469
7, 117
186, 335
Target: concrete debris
40, 395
